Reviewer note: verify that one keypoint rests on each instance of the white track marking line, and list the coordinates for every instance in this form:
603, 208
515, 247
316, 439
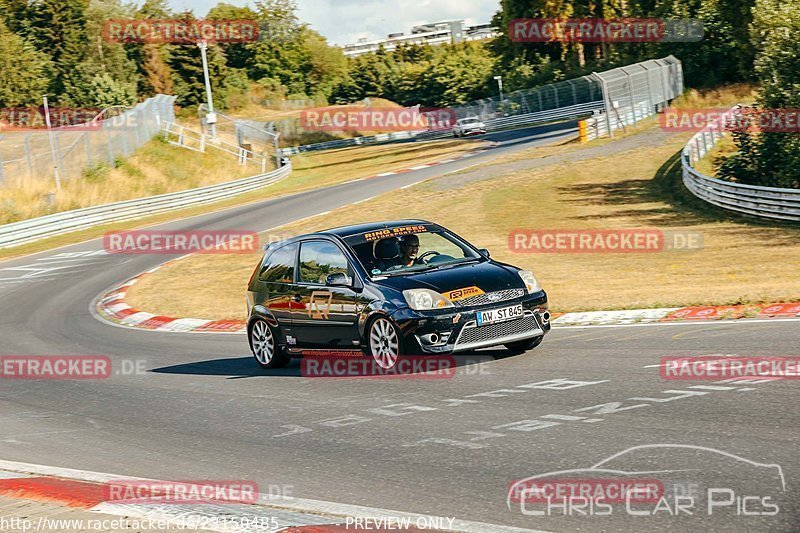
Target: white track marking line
364, 200
301, 505
704, 323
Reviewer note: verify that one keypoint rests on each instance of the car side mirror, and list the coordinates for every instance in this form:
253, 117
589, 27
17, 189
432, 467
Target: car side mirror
339, 279
485, 251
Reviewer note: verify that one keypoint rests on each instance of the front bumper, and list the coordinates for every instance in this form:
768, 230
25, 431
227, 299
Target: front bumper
456, 329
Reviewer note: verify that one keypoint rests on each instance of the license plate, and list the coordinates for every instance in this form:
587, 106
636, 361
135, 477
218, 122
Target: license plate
499, 315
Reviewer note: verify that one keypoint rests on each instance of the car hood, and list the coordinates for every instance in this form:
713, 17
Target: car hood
486, 275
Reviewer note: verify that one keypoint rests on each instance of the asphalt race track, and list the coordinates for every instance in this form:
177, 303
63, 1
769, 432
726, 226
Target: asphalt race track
448, 447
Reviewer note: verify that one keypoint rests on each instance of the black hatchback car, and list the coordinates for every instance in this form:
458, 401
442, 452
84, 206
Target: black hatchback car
387, 289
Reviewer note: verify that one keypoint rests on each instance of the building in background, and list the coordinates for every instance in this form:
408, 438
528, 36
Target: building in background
447, 31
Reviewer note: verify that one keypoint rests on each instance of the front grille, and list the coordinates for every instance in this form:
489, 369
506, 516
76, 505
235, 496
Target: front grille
472, 333
486, 299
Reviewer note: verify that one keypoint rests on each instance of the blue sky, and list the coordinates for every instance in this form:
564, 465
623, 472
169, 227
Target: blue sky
344, 21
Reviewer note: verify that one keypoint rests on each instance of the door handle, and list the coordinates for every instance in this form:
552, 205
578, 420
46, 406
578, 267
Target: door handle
297, 298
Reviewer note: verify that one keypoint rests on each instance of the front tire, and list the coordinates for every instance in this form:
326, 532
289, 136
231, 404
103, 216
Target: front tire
264, 346
384, 342
524, 346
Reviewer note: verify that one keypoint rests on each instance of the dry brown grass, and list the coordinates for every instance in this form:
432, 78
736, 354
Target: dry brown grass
741, 262
724, 148
726, 96
156, 168
311, 170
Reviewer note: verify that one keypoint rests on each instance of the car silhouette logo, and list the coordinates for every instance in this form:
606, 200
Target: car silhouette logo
494, 297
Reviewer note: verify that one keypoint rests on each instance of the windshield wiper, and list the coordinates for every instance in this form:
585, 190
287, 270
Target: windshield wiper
456, 263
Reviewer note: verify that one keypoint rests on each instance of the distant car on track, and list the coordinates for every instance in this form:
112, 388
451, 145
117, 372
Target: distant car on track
388, 289
468, 126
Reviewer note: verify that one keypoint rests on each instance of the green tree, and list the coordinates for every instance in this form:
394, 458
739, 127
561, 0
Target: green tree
89, 85
235, 53
24, 71
58, 28
152, 59
772, 158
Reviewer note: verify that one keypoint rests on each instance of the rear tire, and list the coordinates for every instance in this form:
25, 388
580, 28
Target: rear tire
524, 346
266, 351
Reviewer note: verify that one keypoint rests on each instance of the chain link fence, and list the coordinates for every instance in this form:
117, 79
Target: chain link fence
66, 153
634, 92
259, 138
608, 101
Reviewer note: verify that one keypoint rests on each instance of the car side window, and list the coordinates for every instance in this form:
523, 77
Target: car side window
319, 259
279, 267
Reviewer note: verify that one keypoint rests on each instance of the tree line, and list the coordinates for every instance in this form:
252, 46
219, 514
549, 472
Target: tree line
58, 47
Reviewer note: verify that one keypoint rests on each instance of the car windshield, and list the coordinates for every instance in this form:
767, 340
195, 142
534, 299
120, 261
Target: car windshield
396, 253
470, 121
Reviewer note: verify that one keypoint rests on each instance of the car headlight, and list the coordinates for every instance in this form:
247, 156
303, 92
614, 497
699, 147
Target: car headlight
530, 281
422, 299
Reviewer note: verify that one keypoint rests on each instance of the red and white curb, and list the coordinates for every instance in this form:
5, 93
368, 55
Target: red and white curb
679, 314
423, 166
112, 307
87, 490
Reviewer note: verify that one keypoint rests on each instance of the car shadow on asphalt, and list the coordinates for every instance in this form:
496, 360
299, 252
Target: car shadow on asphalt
246, 367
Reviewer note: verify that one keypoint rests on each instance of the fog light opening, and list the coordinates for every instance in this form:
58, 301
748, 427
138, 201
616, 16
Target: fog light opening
434, 339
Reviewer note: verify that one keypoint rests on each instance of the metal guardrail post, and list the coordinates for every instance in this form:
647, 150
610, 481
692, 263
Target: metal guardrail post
606, 101
28, 158
109, 144
88, 147
59, 154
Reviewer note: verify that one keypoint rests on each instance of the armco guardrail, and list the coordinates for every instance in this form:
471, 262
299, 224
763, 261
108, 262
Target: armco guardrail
515, 121
641, 88
765, 202
355, 141
529, 119
35, 229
